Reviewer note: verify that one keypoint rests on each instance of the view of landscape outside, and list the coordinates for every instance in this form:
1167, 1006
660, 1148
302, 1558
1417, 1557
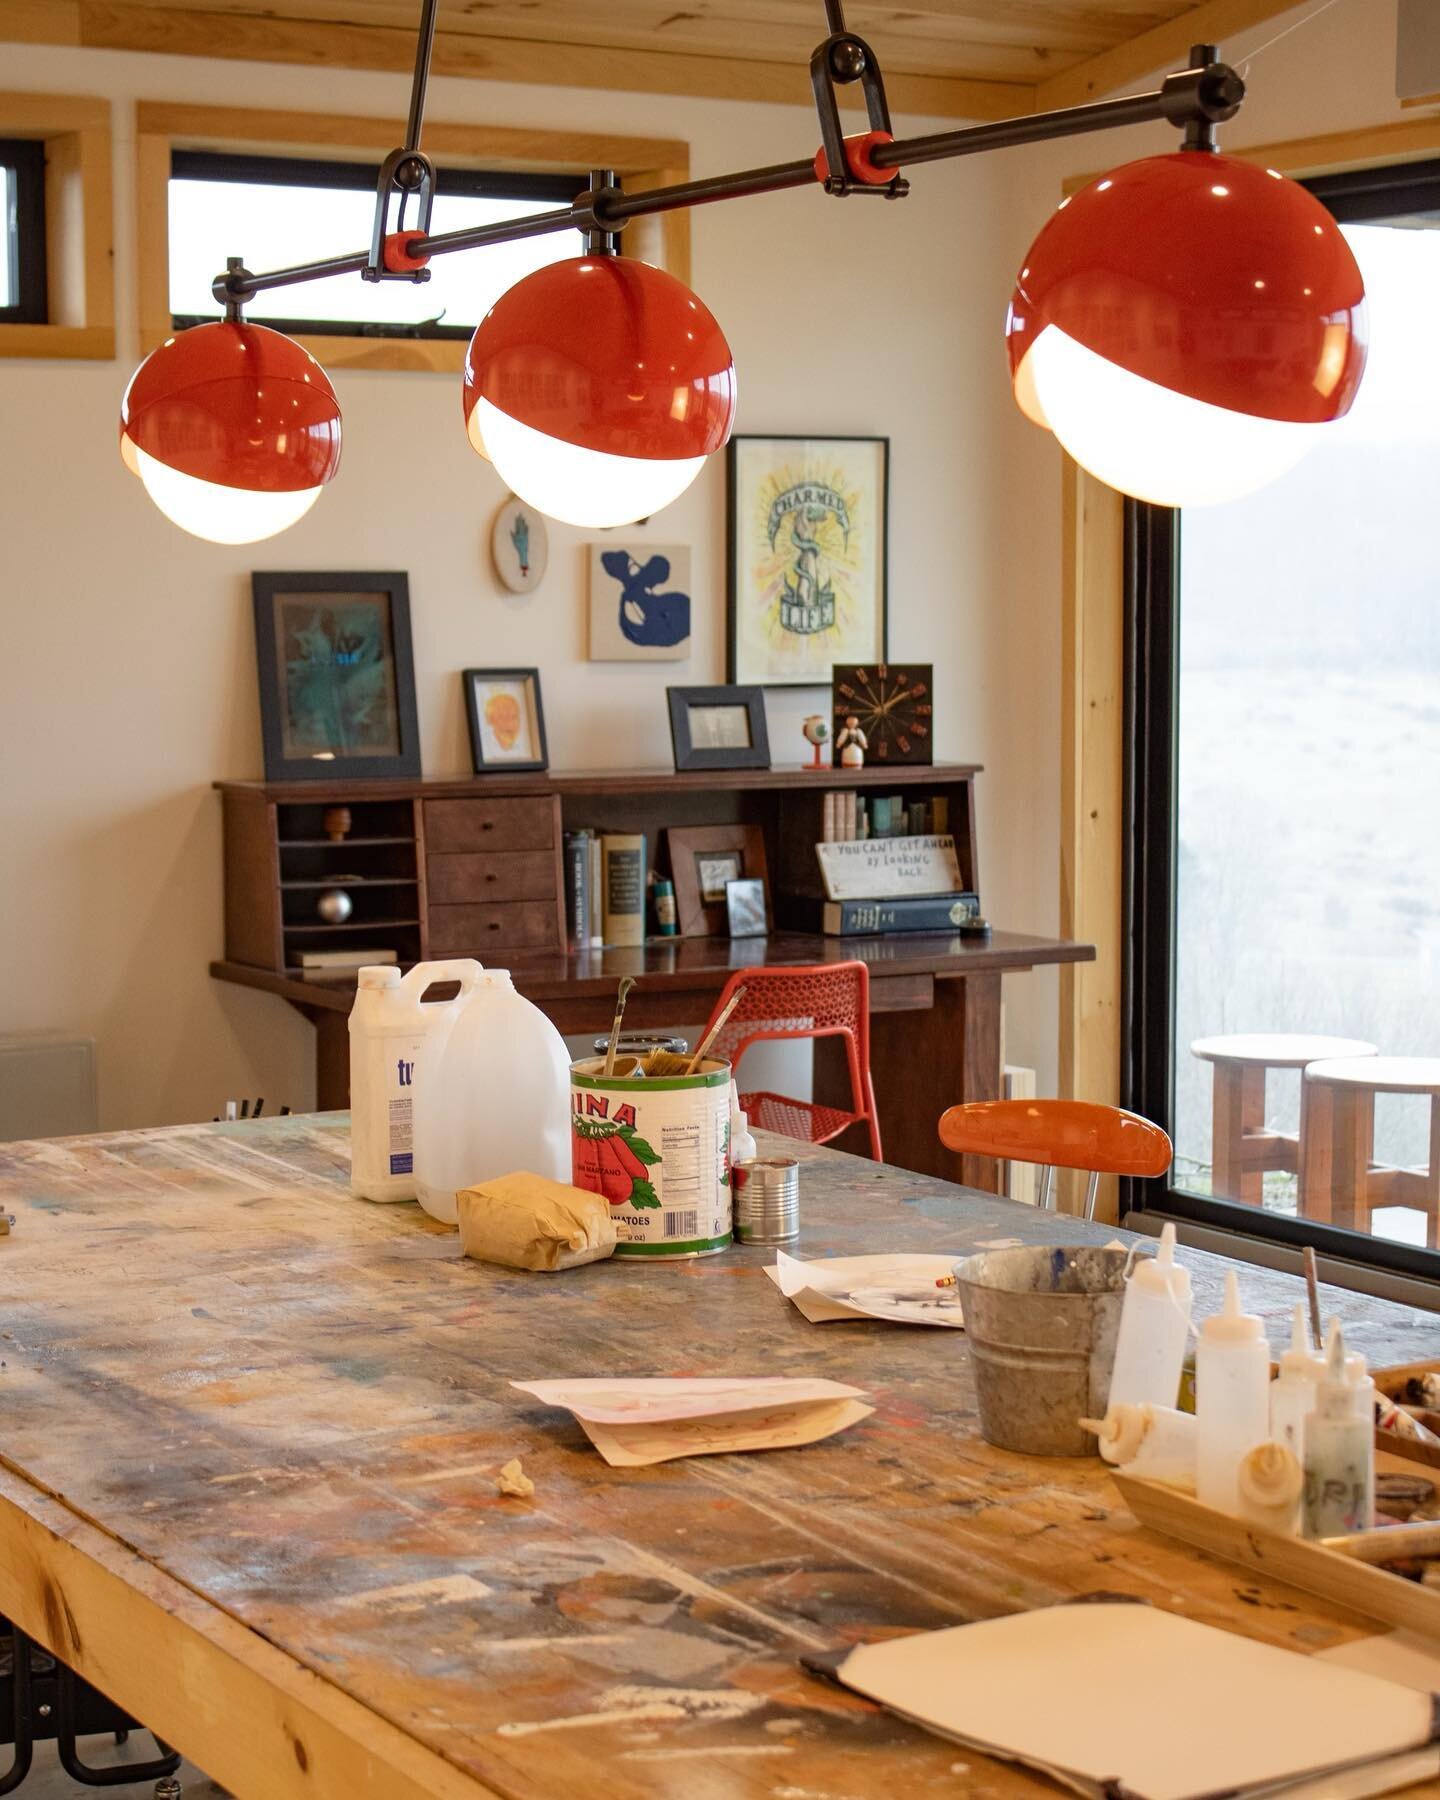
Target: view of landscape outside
8, 296
1309, 740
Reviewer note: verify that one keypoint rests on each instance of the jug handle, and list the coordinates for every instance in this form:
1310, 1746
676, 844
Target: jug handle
464, 970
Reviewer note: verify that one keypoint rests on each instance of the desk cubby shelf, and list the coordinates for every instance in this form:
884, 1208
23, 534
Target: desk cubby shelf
483, 856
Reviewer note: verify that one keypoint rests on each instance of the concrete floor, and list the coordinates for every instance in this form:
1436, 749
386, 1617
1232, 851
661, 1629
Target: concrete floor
48, 1781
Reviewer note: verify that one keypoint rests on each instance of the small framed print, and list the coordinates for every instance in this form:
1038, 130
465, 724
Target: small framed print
706, 861
718, 728
885, 710
806, 556
507, 721
337, 681
745, 908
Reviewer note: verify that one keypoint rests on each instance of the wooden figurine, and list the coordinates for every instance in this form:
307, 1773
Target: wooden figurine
337, 822
816, 730
852, 744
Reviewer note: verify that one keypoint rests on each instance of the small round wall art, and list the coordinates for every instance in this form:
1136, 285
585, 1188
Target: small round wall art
519, 546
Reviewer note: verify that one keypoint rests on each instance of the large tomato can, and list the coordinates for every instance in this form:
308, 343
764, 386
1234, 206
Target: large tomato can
658, 1149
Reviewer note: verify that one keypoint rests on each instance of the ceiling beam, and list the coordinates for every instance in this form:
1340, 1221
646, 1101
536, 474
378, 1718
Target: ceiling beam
176, 31
1155, 51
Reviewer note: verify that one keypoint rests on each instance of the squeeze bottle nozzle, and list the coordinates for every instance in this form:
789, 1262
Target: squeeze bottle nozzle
1301, 1359
1230, 1324
1161, 1274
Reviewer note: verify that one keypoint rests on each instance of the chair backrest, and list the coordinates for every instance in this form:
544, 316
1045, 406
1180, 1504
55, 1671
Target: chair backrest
1066, 1134
815, 1000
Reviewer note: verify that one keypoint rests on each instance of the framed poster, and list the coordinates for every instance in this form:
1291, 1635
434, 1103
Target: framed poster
337, 680
806, 554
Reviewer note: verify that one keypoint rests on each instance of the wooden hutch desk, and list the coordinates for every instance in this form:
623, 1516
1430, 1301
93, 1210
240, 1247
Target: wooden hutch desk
473, 867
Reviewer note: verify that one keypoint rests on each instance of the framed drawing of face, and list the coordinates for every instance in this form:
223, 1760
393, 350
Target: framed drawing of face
507, 722
806, 553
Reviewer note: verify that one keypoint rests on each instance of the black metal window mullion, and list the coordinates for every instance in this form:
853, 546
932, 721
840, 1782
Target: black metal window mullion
24, 227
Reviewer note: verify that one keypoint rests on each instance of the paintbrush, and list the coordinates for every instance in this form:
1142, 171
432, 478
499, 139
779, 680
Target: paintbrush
1312, 1288
666, 1062
714, 1032
1388, 1543
626, 983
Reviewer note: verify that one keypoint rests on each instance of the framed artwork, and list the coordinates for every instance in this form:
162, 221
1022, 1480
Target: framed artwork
519, 546
705, 860
639, 603
806, 553
718, 728
507, 721
337, 678
892, 708
745, 908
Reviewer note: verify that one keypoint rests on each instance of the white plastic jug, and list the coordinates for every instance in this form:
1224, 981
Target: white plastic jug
388, 1026
493, 1095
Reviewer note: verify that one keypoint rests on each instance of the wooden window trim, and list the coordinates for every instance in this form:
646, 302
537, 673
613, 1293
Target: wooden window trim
161, 128
1092, 747
79, 225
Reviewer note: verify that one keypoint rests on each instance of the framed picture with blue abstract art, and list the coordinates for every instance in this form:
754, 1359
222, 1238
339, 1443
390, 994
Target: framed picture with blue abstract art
639, 602
807, 550
337, 679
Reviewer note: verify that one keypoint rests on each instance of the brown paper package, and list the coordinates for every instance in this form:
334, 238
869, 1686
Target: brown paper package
528, 1222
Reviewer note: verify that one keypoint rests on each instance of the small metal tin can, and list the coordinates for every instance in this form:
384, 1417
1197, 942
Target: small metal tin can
641, 1043
767, 1200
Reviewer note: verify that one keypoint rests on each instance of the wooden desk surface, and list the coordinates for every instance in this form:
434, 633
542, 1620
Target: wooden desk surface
247, 1485
688, 966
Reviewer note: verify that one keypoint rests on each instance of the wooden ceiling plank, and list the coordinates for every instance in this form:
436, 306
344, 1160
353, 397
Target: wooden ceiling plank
745, 34
1161, 48
227, 36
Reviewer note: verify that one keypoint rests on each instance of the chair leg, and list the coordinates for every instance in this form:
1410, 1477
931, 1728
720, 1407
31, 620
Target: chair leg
1045, 1199
1092, 1188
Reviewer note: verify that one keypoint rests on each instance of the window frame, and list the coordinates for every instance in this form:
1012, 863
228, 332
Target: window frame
506, 151
71, 138
1092, 693
26, 156
1152, 609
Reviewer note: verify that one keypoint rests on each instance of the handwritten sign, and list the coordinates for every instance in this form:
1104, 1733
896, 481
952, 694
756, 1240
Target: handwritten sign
887, 868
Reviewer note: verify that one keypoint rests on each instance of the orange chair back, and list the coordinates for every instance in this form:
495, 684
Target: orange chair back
1065, 1134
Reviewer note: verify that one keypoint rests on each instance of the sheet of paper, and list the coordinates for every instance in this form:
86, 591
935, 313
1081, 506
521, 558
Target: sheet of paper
653, 1400
899, 1287
779, 1428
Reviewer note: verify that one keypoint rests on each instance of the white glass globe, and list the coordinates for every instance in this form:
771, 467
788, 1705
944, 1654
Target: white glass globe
578, 487
206, 509
1147, 440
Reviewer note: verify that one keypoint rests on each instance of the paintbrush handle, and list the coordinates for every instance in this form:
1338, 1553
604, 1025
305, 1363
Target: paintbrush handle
1312, 1289
626, 983
1388, 1543
715, 1030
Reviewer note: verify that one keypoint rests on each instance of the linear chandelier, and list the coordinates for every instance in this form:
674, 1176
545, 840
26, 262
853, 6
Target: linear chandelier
1183, 325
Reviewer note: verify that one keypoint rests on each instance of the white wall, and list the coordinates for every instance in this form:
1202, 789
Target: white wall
127, 682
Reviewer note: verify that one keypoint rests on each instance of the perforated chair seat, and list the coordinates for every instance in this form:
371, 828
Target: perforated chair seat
796, 1118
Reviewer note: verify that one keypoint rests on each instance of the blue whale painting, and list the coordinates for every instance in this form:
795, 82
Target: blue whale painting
647, 618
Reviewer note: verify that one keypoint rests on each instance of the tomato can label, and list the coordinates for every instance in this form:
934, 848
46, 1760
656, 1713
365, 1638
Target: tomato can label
659, 1151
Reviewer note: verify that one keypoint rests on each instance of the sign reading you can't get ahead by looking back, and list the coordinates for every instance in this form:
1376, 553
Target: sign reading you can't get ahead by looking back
887, 868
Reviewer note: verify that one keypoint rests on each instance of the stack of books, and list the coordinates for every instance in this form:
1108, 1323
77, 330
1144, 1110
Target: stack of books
848, 816
606, 877
338, 965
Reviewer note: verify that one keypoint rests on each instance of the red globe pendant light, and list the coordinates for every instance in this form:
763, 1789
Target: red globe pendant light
234, 430
597, 387
1186, 324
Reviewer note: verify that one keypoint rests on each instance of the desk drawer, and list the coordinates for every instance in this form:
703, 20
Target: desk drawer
500, 824
481, 929
507, 875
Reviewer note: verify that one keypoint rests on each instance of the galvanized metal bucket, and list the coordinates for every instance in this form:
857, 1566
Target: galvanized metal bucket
1042, 1323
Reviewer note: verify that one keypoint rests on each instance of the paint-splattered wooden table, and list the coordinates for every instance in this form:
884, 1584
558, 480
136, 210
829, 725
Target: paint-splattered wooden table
249, 1433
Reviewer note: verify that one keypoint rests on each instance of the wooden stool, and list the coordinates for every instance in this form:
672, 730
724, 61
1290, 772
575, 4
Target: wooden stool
1340, 1184
1241, 1148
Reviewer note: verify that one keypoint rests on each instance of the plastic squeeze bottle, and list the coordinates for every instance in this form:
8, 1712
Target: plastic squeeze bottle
1339, 1452
1154, 1330
1293, 1393
1232, 1398
742, 1144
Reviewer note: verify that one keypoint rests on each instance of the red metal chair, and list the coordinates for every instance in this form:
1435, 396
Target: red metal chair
1063, 1134
819, 1000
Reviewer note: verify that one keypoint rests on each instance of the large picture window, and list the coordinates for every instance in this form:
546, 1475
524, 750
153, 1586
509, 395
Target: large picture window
1283, 682
276, 211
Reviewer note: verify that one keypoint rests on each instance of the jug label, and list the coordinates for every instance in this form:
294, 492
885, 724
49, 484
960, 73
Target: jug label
661, 1158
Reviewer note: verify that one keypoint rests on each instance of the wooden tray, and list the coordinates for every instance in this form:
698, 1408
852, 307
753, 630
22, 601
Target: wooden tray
1360, 1587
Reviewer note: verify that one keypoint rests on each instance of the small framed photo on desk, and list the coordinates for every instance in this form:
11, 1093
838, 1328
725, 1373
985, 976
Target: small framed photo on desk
718, 728
707, 861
